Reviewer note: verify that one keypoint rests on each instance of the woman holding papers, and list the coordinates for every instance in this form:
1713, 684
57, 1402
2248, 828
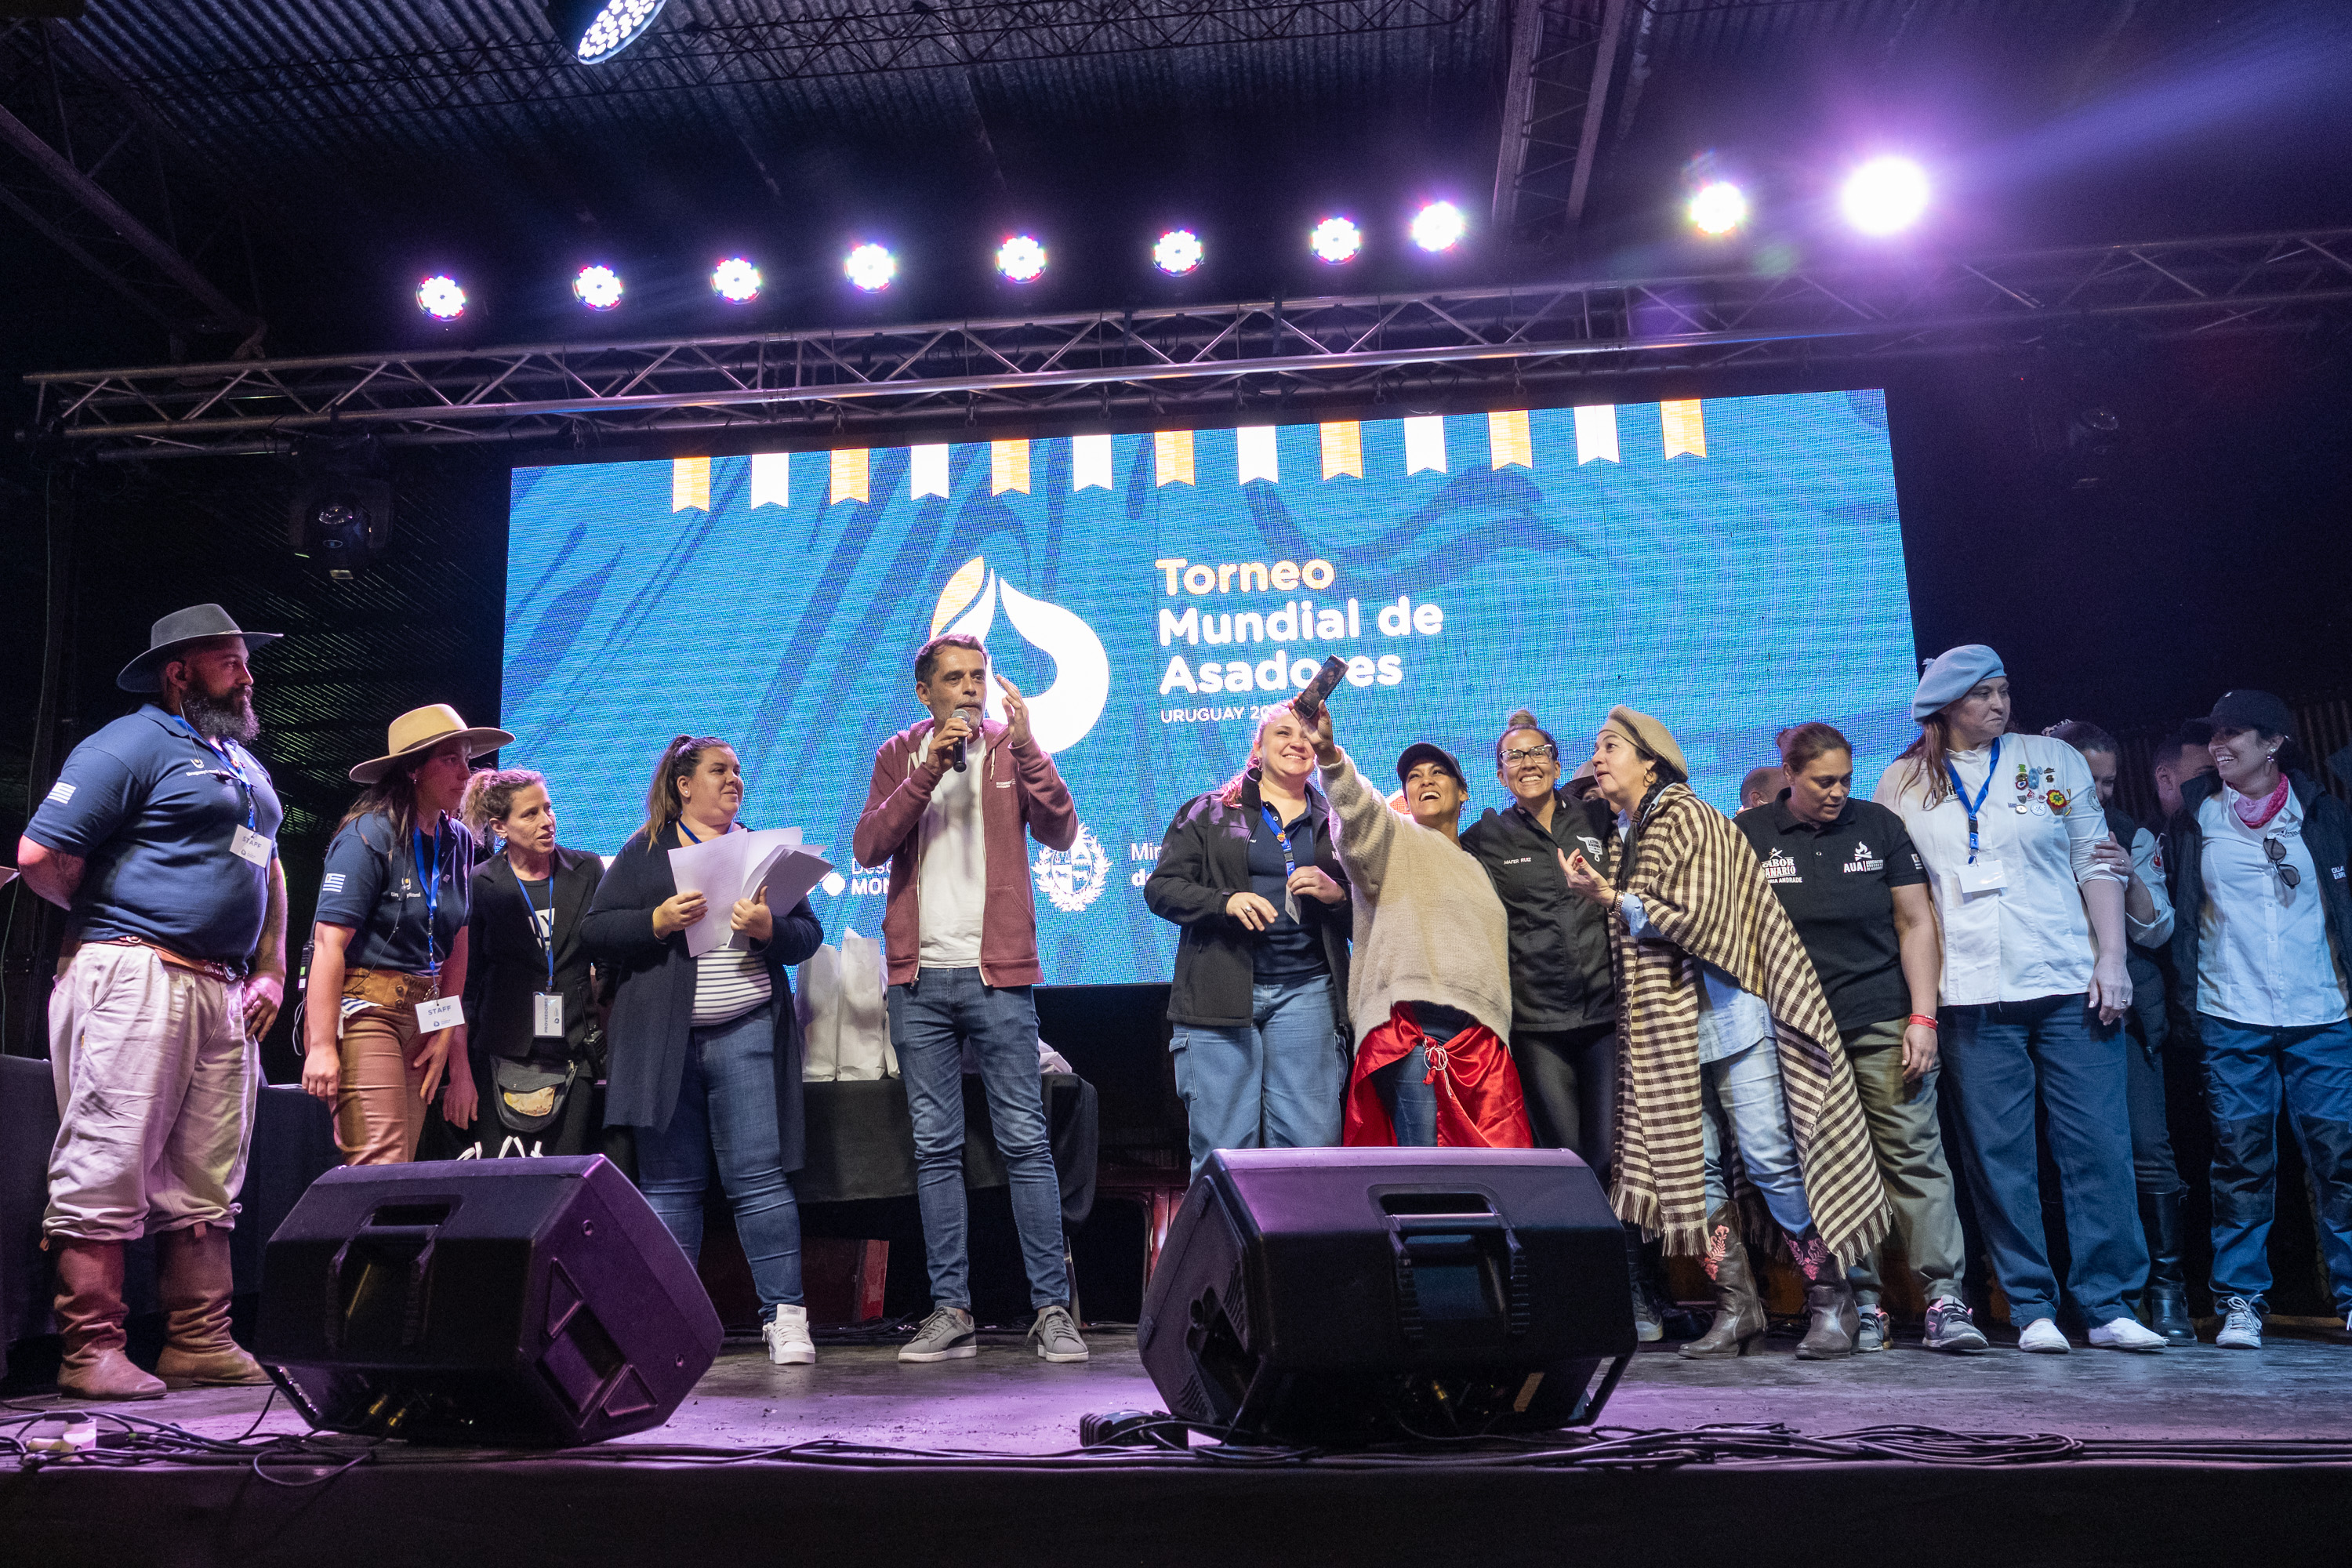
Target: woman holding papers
706, 1052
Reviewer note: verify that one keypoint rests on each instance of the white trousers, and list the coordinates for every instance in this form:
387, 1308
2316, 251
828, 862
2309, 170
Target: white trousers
156, 1086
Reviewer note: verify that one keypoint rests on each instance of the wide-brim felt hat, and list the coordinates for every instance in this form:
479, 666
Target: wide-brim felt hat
420, 730
1651, 737
181, 629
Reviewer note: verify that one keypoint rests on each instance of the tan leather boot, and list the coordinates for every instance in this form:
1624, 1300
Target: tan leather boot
1834, 1319
193, 1280
1738, 1323
90, 1315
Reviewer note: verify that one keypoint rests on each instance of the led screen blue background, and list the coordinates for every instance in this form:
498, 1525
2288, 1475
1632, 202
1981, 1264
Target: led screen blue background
1730, 594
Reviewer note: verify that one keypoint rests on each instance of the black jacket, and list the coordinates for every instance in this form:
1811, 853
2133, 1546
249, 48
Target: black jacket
2327, 831
505, 965
1560, 943
1204, 861
653, 1008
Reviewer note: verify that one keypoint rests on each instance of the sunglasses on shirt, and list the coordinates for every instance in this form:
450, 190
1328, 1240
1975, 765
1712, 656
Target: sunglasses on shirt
2277, 853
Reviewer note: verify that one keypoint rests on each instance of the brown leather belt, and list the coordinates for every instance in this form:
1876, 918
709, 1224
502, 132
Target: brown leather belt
388, 987
226, 974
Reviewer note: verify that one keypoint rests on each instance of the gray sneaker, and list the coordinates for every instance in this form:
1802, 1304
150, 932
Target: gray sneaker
1057, 1336
1950, 1328
2242, 1324
1877, 1332
946, 1335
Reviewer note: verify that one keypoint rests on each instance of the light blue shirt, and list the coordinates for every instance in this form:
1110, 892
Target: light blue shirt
1730, 1020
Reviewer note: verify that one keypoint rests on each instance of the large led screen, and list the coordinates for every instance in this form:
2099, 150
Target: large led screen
1732, 566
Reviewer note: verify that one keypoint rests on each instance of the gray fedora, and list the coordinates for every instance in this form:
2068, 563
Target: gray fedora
198, 623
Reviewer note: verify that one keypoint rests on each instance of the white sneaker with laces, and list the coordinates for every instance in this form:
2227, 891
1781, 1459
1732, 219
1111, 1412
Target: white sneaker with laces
2042, 1337
787, 1337
2241, 1325
2125, 1334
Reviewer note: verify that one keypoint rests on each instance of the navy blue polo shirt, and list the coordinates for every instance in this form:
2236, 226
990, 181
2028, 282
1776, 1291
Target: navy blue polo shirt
379, 890
1837, 881
1286, 950
153, 810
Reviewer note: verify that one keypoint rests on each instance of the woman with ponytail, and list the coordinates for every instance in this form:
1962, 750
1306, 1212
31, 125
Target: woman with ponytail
706, 1053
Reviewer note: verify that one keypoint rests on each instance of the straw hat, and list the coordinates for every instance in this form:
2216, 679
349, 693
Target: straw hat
420, 730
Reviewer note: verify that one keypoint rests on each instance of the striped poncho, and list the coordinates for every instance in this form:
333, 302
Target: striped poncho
1697, 879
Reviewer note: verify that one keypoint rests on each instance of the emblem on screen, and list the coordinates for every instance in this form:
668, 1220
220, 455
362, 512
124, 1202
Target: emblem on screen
1059, 716
1075, 877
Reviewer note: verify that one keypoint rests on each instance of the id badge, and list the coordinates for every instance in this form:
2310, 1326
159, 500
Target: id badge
547, 1015
1982, 877
441, 1012
247, 845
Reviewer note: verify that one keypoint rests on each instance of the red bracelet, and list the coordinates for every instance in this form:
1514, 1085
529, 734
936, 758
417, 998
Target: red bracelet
1922, 1018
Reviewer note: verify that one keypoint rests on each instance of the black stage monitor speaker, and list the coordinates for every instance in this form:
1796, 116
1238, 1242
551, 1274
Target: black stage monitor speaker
1349, 1295
482, 1301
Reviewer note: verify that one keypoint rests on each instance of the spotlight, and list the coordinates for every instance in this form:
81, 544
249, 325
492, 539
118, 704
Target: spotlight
735, 280
341, 518
1178, 252
598, 288
1718, 209
1440, 226
1335, 240
597, 30
871, 267
1885, 195
440, 297
1021, 259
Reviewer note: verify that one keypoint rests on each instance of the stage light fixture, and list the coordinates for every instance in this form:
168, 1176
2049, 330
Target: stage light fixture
870, 267
1335, 240
1718, 209
1021, 259
1178, 252
598, 288
440, 297
1440, 226
597, 30
735, 280
1885, 195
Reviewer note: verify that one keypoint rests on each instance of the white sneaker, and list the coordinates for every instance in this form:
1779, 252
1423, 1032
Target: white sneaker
2125, 1334
788, 1338
2042, 1336
2241, 1325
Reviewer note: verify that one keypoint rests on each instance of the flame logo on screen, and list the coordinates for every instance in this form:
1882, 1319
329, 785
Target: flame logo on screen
1059, 716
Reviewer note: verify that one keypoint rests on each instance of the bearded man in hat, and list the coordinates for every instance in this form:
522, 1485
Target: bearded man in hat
159, 840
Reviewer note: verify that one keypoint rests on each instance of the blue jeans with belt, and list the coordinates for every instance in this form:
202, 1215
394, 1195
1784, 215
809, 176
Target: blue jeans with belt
1278, 1082
2248, 1072
2000, 1060
929, 1022
725, 1115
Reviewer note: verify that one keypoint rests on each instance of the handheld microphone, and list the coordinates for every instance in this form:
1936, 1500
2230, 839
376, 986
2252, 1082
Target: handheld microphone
960, 744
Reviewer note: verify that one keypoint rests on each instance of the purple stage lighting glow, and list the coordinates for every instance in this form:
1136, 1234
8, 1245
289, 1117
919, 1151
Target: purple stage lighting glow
440, 297
871, 267
735, 280
1021, 259
1440, 226
1885, 195
1335, 240
1720, 207
598, 288
1178, 252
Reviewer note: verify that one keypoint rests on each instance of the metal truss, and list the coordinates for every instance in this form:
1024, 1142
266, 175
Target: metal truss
87, 164
1191, 364
841, 38
1563, 56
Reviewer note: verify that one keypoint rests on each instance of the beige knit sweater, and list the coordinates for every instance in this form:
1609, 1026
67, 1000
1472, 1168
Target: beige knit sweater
1428, 925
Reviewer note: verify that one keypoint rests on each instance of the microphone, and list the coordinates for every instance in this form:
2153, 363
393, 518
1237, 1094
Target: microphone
960, 745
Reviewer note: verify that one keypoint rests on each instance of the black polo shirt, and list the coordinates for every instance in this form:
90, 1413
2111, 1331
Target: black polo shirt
1837, 880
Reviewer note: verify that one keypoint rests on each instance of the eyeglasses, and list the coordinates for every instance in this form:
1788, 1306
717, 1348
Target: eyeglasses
2277, 853
1530, 754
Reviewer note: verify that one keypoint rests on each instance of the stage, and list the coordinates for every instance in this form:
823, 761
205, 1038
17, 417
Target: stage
2184, 1457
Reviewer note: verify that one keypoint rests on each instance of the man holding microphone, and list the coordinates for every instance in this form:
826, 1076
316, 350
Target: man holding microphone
952, 802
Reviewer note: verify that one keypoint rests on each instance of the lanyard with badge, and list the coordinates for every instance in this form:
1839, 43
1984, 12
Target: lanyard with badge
248, 843
441, 1012
546, 1006
1289, 865
1978, 876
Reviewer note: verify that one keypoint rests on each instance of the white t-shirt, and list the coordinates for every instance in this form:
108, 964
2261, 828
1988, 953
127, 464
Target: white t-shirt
2263, 956
952, 878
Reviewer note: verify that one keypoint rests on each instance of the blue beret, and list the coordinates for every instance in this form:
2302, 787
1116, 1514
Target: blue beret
1952, 676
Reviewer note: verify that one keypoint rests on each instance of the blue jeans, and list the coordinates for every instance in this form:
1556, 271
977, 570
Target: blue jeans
1278, 1083
1411, 1098
1744, 1091
929, 1022
727, 1110
2249, 1071
1999, 1059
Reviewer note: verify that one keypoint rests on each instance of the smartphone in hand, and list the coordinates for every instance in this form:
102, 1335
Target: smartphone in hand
1309, 701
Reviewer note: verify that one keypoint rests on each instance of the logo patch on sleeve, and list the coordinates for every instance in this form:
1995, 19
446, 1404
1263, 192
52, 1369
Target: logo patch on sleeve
58, 793
333, 883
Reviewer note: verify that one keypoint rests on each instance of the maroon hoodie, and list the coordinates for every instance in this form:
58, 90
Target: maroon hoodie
1020, 793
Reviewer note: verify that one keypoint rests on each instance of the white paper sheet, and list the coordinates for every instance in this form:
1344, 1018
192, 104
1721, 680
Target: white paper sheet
734, 865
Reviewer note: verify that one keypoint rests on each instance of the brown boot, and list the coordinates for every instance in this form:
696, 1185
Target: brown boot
90, 1315
192, 1279
1835, 1317
1739, 1314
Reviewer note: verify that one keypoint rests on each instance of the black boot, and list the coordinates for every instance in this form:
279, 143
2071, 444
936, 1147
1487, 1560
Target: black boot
1649, 1316
2167, 1311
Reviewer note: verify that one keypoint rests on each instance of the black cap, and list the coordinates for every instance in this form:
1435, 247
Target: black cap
1431, 751
2252, 711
